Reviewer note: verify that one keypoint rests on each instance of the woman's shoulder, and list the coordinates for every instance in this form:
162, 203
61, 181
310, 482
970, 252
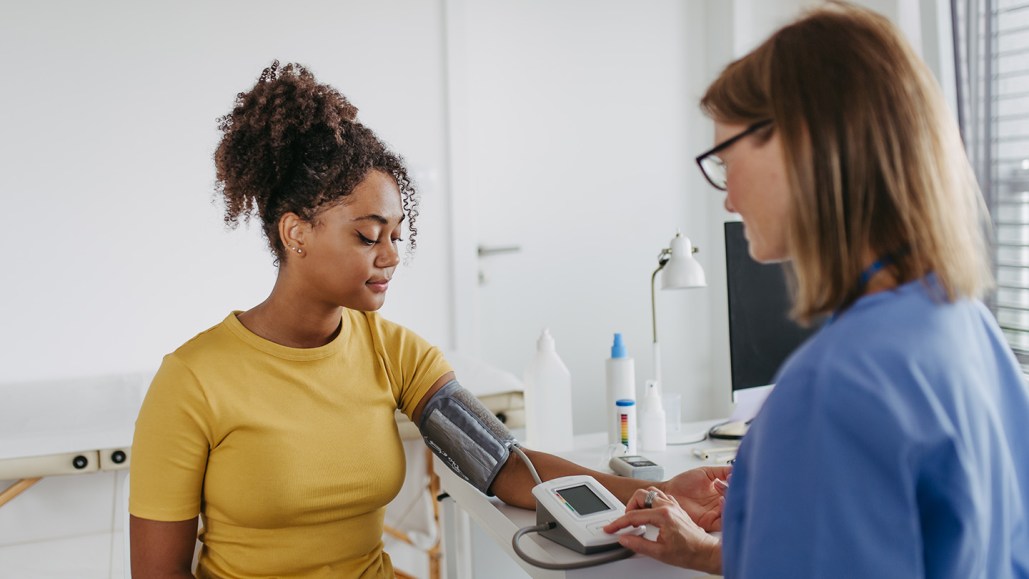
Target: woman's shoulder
213, 341
379, 327
915, 317
892, 351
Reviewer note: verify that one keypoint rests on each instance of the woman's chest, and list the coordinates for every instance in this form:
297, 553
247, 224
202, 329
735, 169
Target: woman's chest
305, 459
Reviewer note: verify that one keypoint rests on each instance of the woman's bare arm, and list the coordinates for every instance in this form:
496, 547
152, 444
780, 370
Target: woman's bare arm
514, 482
162, 550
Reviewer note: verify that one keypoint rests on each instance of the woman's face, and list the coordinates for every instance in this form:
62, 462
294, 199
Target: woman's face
757, 190
350, 252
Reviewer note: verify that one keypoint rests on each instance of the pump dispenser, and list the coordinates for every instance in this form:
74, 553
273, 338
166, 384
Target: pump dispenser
548, 399
621, 385
652, 419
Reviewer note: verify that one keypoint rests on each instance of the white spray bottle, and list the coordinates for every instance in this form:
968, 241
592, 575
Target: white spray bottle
652, 419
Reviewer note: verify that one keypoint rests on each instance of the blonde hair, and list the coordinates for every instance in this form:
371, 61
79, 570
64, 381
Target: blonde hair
873, 157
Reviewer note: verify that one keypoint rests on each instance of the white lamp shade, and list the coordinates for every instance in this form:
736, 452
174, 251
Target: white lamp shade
682, 270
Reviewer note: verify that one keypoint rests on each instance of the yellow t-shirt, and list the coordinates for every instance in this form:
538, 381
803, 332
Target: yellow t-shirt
290, 454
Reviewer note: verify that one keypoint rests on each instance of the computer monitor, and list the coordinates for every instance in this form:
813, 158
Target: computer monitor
761, 333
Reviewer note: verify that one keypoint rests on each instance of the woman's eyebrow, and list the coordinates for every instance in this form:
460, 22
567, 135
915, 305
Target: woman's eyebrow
377, 218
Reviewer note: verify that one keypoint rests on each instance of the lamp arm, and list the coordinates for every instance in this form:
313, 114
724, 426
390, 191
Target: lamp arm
653, 299
657, 367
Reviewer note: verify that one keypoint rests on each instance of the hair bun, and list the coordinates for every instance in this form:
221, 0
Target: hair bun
286, 125
270, 73
301, 78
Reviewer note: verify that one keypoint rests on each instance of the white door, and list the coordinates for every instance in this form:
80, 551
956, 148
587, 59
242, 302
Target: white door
576, 125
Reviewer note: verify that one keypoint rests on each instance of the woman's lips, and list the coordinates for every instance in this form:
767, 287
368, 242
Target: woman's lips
378, 285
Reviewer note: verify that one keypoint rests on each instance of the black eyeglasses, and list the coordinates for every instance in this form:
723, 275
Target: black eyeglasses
713, 167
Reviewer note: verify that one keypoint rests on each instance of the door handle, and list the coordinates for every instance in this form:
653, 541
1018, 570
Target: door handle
485, 251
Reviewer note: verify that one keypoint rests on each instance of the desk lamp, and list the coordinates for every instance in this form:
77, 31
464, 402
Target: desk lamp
680, 271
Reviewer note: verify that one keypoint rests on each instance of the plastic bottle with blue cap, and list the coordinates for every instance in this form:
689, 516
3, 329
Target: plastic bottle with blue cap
621, 384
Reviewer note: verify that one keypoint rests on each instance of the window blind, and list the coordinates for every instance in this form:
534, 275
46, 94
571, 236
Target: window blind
992, 51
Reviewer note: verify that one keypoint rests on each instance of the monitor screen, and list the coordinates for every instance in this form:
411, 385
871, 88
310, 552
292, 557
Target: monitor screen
761, 333
583, 500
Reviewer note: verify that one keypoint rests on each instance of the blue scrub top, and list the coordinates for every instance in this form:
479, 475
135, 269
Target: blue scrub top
895, 444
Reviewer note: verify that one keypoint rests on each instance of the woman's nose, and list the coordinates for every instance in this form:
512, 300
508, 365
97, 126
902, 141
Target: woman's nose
389, 257
728, 205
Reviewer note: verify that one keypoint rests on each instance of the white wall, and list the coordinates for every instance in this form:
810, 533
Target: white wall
116, 251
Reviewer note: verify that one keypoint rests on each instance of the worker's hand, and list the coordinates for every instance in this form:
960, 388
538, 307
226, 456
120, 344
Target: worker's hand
679, 542
701, 493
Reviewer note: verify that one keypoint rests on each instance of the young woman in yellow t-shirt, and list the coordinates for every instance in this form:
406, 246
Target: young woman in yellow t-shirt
277, 424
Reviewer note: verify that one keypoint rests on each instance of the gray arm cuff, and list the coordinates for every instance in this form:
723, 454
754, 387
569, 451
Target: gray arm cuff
465, 436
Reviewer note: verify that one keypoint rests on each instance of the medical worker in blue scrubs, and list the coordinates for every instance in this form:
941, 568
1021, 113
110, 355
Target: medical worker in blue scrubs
896, 441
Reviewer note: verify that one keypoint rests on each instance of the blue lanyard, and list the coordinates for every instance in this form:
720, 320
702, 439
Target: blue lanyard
864, 278
873, 269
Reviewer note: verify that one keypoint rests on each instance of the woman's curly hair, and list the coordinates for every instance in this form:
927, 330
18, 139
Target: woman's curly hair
292, 144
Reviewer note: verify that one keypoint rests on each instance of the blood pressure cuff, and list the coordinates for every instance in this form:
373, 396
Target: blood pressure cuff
465, 436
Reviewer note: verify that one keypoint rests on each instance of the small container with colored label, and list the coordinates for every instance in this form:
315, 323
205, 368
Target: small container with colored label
625, 416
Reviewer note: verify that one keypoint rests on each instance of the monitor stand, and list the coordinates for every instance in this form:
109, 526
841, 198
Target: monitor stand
732, 430
747, 404
686, 437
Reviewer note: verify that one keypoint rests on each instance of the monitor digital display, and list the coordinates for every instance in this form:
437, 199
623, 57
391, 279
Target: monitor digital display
761, 333
583, 500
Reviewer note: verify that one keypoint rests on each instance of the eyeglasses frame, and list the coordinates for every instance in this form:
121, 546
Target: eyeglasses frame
725, 145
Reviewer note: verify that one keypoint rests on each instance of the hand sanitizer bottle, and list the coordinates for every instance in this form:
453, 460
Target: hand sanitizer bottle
548, 400
652, 419
621, 385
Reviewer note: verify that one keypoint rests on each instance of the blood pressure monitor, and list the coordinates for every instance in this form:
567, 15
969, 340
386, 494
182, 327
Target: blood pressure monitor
578, 508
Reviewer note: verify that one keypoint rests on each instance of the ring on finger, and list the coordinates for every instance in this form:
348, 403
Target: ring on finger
648, 502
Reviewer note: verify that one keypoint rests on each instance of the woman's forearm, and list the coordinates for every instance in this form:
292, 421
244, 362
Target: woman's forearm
514, 483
